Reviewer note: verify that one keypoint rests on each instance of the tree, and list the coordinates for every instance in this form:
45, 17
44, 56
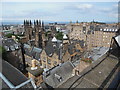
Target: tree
59, 35
9, 35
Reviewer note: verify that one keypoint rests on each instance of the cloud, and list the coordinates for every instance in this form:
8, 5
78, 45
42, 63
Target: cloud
58, 11
84, 6
114, 15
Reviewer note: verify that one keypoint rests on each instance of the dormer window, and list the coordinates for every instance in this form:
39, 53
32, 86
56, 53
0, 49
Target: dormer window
16, 46
50, 54
12, 48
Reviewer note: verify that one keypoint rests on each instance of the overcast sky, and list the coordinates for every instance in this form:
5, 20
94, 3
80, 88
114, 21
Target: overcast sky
60, 11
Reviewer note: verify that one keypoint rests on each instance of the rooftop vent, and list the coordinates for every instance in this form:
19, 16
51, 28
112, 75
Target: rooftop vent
58, 77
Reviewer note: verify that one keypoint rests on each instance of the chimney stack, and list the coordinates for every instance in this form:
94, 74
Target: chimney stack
33, 65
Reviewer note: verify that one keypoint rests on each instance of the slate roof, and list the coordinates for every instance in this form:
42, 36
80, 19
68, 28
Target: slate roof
106, 28
98, 52
13, 75
71, 48
64, 71
51, 48
32, 51
80, 42
96, 75
10, 45
99, 74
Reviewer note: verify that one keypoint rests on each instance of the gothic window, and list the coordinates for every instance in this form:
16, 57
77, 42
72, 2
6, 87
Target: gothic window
44, 59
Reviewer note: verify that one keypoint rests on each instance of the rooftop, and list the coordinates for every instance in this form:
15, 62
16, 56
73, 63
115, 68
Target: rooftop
96, 75
12, 77
58, 75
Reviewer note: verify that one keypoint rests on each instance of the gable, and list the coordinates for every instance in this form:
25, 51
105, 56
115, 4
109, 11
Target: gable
43, 53
55, 56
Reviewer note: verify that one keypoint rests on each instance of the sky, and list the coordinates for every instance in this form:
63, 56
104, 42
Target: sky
60, 11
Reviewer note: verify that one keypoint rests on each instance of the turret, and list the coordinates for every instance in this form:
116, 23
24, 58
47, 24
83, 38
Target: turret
54, 40
65, 39
34, 22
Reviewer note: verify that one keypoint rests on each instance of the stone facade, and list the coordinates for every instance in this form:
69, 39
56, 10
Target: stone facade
34, 33
94, 34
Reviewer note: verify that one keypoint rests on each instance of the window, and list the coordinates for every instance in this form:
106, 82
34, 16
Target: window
55, 63
49, 61
44, 65
44, 59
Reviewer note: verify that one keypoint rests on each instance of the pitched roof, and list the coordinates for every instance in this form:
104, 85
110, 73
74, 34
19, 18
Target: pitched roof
63, 72
10, 45
51, 48
32, 51
97, 75
12, 77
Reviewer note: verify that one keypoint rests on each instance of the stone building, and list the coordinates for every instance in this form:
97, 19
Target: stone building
32, 53
94, 34
35, 72
56, 52
34, 33
50, 55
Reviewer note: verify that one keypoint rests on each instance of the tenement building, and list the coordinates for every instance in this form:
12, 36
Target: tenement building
94, 34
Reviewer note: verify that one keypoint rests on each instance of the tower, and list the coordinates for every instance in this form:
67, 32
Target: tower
37, 27
39, 34
65, 39
28, 29
65, 42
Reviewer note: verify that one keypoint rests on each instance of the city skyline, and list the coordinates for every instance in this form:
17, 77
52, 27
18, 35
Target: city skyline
60, 11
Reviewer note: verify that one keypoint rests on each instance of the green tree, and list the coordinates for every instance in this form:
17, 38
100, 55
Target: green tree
59, 35
9, 35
